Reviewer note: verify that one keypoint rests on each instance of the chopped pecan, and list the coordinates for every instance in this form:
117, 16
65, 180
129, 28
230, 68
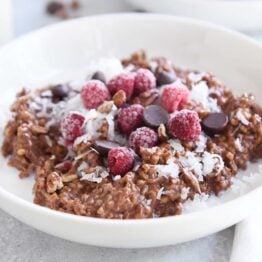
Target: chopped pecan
119, 98
162, 132
106, 107
147, 98
53, 182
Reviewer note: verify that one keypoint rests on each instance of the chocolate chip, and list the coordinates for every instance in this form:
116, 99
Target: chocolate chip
155, 115
215, 122
103, 146
165, 77
60, 91
99, 76
53, 7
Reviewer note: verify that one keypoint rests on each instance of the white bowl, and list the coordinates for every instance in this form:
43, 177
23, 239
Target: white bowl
37, 58
244, 15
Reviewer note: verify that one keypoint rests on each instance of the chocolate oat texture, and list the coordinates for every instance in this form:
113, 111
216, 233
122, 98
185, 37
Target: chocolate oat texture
136, 142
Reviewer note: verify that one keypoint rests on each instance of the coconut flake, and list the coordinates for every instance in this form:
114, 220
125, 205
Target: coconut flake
97, 176
184, 192
199, 93
176, 144
115, 178
48, 141
239, 145
159, 193
212, 161
171, 169
241, 117
201, 143
82, 166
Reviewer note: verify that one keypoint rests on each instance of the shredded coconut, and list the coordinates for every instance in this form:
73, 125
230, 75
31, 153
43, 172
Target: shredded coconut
238, 145
159, 193
201, 143
176, 144
211, 162
200, 93
96, 176
171, 169
241, 117
184, 192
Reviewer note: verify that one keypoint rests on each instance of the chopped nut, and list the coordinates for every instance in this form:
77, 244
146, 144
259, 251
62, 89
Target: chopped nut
147, 98
53, 182
38, 129
191, 179
106, 107
162, 132
69, 178
21, 152
119, 98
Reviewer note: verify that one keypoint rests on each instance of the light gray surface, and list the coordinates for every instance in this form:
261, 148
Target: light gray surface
19, 242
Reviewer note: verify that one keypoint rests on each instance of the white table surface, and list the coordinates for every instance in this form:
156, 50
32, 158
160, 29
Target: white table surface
19, 242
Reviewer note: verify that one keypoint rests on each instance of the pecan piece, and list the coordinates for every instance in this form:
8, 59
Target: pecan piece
53, 182
119, 98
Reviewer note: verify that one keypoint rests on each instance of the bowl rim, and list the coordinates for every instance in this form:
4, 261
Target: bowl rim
5, 194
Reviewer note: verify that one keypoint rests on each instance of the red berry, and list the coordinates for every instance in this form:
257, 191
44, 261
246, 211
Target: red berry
174, 97
142, 137
144, 81
124, 81
185, 125
130, 118
120, 160
72, 126
94, 93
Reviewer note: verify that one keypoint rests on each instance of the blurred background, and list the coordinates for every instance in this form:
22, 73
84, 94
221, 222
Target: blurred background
18, 17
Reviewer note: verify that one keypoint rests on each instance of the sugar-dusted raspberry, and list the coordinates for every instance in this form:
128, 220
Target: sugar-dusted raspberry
144, 81
185, 125
130, 118
72, 126
120, 160
124, 81
142, 137
174, 97
94, 93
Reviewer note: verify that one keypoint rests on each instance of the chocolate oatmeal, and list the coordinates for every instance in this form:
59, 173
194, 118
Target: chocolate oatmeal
138, 145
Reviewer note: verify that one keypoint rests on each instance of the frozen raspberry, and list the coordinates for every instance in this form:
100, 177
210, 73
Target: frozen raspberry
120, 161
124, 81
94, 93
130, 118
174, 97
144, 81
142, 137
185, 125
72, 126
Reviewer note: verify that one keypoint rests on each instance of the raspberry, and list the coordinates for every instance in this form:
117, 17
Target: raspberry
71, 126
120, 161
130, 118
144, 81
124, 81
94, 93
142, 137
185, 125
174, 97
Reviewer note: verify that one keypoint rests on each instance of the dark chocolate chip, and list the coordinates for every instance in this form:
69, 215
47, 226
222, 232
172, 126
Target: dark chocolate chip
54, 7
215, 123
99, 76
155, 115
165, 77
103, 146
60, 91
